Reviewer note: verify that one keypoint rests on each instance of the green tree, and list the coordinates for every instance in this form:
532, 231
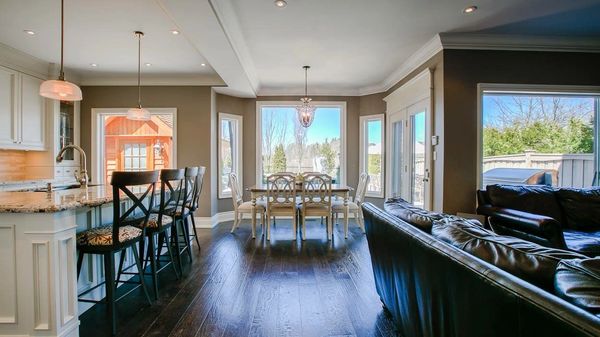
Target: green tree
329, 155
279, 161
374, 164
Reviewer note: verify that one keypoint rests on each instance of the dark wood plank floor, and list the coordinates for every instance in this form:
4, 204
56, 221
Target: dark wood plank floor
236, 286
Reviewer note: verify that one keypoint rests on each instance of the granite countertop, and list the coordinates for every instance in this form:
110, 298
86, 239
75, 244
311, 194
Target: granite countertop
55, 201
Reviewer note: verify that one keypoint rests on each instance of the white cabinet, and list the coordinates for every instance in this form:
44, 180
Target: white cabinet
32, 113
9, 80
22, 112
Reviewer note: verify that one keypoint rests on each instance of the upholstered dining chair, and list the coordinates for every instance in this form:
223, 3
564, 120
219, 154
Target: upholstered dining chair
316, 200
281, 200
354, 206
239, 206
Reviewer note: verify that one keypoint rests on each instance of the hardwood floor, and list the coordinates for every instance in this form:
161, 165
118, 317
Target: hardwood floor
237, 286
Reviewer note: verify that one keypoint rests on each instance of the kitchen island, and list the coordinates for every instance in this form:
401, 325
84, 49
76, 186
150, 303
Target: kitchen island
39, 286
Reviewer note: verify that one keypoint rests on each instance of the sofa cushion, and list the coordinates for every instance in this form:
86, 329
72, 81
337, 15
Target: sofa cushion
537, 199
533, 263
578, 282
581, 207
415, 216
587, 243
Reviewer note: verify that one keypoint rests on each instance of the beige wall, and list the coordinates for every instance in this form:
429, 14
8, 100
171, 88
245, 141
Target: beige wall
193, 121
355, 107
463, 70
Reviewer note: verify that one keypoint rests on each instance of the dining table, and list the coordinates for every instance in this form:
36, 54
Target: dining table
260, 191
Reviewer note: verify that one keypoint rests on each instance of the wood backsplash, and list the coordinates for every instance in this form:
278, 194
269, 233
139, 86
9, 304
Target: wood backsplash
13, 165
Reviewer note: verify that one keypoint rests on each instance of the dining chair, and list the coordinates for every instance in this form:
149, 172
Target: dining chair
316, 200
354, 206
281, 200
241, 207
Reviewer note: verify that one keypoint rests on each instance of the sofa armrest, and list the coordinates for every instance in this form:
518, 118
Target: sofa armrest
541, 226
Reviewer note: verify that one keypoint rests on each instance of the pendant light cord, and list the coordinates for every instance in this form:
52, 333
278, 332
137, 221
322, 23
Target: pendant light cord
306, 81
139, 34
61, 76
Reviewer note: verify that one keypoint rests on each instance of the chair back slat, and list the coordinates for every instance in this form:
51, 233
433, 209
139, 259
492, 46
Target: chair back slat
316, 190
361, 189
281, 190
197, 188
131, 184
171, 186
236, 194
191, 175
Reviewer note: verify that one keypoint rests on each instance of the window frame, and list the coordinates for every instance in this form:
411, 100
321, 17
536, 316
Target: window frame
363, 150
549, 89
318, 104
237, 151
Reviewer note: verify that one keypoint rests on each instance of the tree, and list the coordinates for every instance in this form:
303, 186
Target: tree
300, 138
374, 164
329, 155
279, 159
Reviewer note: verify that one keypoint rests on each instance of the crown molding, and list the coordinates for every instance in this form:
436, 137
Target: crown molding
519, 42
153, 80
17, 60
314, 91
427, 51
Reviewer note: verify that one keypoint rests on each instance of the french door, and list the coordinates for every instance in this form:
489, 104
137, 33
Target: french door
409, 136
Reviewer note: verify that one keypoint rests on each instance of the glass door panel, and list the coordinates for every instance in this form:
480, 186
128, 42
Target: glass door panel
397, 162
418, 164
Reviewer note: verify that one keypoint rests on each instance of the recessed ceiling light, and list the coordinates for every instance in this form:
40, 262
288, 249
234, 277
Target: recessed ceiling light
175, 32
470, 9
280, 3
29, 32
93, 65
148, 64
203, 64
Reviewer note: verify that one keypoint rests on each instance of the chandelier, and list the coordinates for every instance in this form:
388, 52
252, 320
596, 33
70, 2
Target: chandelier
305, 110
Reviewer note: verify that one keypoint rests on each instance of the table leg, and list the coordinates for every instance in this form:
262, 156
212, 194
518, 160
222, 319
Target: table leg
346, 215
253, 216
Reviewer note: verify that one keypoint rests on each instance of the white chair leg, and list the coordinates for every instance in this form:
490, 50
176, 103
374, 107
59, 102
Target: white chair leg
235, 220
329, 228
303, 218
361, 220
295, 226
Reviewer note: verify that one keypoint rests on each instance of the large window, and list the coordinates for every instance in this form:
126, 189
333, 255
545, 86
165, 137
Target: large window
283, 145
230, 151
539, 137
371, 153
121, 144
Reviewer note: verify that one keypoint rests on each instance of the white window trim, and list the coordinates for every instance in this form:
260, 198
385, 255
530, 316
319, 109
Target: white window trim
238, 167
363, 147
511, 88
343, 129
97, 147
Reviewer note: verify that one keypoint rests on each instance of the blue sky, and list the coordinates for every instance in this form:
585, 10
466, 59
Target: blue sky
326, 124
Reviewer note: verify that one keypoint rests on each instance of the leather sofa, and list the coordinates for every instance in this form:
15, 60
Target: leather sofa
435, 286
554, 217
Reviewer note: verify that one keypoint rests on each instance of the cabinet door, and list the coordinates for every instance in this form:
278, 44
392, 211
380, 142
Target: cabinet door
8, 108
33, 117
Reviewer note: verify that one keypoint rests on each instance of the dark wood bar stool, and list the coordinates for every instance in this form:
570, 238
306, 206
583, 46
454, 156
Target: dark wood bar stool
181, 215
160, 224
128, 229
193, 206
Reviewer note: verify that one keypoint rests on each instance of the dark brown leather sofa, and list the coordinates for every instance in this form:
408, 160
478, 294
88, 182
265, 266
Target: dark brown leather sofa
433, 287
554, 217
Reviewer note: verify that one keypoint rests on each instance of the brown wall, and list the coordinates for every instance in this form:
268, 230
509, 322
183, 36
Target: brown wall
193, 121
463, 70
355, 107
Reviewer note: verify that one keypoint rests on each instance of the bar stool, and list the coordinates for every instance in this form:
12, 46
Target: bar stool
181, 215
159, 225
120, 235
193, 206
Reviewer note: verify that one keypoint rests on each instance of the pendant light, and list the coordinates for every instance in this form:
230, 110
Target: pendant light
60, 89
305, 111
139, 113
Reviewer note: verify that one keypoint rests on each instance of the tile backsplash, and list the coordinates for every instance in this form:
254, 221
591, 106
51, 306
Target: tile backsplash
13, 165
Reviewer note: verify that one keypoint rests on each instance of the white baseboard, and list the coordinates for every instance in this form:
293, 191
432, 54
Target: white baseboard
211, 222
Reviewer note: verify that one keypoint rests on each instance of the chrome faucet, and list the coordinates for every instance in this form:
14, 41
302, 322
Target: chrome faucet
82, 178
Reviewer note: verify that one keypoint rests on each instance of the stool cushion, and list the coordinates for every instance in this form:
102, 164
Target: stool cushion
578, 282
102, 236
153, 221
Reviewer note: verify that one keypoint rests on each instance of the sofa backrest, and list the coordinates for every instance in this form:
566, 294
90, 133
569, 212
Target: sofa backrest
434, 289
581, 208
536, 199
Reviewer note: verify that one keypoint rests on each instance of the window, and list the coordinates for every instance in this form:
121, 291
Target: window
283, 145
126, 145
544, 136
371, 153
230, 151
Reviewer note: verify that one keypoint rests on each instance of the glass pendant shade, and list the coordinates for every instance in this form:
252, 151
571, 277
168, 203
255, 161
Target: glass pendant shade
138, 114
306, 112
60, 90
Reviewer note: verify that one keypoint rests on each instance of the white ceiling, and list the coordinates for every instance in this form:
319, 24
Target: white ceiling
252, 46
101, 32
